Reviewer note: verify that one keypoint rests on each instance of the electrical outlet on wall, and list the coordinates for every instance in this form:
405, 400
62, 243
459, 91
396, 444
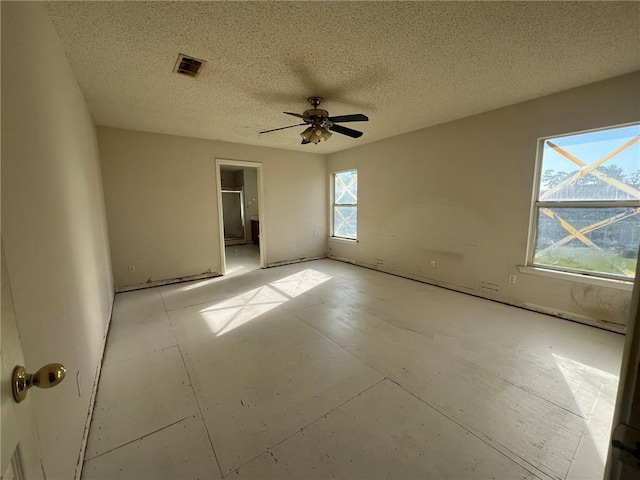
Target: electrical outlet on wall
512, 279
433, 264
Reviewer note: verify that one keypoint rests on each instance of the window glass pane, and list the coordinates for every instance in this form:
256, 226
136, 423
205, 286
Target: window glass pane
603, 240
346, 187
345, 222
602, 165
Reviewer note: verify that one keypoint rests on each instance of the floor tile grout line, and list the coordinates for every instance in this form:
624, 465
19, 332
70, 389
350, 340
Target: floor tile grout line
479, 435
586, 426
538, 473
499, 378
164, 304
139, 438
496, 376
332, 410
331, 340
144, 354
306, 426
538, 396
197, 304
167, 309
195, 396
431, 406
421, 400
472, 432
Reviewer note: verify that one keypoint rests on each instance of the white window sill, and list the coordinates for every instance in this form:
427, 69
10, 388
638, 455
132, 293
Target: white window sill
346, 240
626, 285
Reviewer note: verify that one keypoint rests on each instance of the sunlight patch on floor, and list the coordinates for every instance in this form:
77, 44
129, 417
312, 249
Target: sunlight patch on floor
575, 375
234, 312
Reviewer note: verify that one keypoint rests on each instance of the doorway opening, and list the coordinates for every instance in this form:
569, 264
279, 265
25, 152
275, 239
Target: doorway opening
240, 214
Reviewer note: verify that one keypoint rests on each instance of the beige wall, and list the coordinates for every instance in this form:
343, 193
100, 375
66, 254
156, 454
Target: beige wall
459, 193
162, 206
53, 226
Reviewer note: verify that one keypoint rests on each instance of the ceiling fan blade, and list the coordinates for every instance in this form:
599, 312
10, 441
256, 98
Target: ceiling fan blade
282, 128
304, 142
356, 117
294, 114
345, 131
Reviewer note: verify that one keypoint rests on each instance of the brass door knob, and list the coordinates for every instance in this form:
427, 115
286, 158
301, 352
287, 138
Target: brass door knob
48, 376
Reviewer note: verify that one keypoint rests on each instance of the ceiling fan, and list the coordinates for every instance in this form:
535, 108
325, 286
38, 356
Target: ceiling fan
321, 124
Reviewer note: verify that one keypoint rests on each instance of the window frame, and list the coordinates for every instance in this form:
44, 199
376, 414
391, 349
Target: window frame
333, 206
536, 205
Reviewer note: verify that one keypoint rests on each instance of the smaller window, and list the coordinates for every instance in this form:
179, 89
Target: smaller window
345, 204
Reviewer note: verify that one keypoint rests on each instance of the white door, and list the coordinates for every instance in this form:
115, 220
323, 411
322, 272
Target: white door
623, 462
20, 445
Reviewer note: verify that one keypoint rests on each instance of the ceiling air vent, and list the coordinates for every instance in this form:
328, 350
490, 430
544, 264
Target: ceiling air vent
188, 65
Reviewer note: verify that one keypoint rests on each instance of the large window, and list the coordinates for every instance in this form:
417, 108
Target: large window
585, 214
345, 204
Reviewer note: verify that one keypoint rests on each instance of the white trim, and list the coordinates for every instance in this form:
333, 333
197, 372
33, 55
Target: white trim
628, 387
589, 130
261, 205
345, 170
535, 193
589, 204
625, 285
343, 239
332, 204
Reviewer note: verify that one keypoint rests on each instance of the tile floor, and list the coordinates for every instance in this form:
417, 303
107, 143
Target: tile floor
328, 370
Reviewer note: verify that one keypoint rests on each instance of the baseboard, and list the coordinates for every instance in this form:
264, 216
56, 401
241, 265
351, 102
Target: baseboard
296, 260
592, 322
92, 400
170, 281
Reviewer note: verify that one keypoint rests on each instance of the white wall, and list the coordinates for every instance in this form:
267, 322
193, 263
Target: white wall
53, 226
162, 207
459, 193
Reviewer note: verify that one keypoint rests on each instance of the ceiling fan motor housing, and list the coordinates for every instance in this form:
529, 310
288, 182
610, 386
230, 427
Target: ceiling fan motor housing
315, 116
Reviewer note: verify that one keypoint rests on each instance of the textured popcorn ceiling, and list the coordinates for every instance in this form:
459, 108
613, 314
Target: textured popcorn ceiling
406, 65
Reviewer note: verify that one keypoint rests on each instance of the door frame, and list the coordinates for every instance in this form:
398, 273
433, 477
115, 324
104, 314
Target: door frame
263, 241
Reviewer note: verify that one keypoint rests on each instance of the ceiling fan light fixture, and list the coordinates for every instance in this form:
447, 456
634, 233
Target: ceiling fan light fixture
306, 135
318, 133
